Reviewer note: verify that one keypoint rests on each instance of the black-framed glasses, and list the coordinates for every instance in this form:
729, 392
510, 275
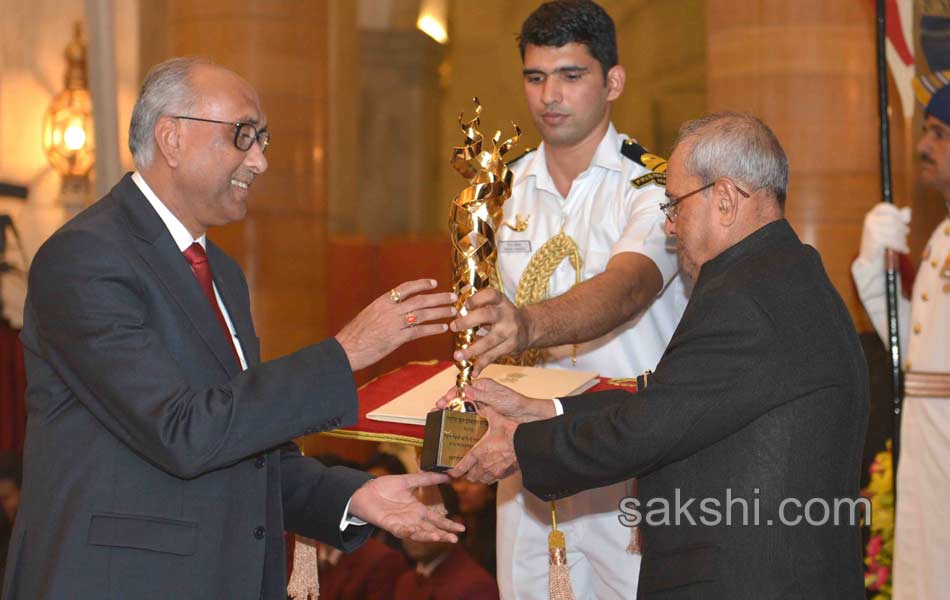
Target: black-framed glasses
669, 208
245, 134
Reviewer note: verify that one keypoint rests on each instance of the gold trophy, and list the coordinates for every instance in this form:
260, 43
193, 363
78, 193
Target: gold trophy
475, 217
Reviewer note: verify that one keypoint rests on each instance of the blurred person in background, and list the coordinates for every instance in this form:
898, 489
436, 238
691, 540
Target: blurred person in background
477, 509
444, 571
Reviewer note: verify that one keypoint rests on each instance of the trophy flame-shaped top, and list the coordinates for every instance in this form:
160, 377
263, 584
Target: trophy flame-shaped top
472, 159
475, 217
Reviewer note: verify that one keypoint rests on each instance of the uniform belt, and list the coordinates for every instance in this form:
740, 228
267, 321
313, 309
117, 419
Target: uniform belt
927, 385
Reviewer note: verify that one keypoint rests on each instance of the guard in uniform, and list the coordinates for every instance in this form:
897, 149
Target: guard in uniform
587, 280
922, 536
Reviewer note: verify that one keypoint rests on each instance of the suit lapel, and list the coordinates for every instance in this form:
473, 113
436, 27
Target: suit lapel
157, 248
231, 293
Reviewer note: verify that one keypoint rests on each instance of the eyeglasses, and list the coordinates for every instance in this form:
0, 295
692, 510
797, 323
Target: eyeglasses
669, 208
245, 134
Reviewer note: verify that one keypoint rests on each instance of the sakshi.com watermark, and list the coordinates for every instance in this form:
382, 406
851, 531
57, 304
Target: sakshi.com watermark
740, 510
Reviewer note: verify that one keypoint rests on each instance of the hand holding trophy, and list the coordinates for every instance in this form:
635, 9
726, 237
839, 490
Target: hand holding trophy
475, 217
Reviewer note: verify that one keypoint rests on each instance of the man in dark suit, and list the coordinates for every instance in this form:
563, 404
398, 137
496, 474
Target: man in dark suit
157, 462
747, 439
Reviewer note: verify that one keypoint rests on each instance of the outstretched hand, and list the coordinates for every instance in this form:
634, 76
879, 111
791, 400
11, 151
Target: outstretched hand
393, 319
505, 326
389, 502
503, 400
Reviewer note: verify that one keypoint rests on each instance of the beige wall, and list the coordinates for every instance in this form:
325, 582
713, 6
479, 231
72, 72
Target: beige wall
820, 99
663, 49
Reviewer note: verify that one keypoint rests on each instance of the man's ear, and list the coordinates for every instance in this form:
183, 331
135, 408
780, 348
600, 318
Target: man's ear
616, 78
168, 140
726, 198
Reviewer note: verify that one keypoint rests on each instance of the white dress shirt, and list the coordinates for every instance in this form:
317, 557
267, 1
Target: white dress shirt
183, 240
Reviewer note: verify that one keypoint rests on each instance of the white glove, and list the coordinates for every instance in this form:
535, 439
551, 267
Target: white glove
885, 226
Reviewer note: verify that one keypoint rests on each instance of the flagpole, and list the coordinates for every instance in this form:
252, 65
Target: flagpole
893, 338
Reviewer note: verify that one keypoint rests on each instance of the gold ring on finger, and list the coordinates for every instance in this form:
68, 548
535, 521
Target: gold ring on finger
394, 296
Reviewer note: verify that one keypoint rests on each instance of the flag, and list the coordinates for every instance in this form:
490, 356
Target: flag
900, 50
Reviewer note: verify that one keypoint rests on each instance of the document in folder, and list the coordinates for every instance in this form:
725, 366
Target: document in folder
534, 382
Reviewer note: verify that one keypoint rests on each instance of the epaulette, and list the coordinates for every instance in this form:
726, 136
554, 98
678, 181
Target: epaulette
656, 164
520, 156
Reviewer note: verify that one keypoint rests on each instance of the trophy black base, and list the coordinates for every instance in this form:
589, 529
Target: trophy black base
449, 435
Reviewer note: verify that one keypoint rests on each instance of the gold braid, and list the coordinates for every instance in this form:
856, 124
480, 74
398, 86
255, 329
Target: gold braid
533, 286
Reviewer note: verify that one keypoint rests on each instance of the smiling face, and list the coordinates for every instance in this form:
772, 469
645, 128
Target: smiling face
213, 176
566, 93
934, 150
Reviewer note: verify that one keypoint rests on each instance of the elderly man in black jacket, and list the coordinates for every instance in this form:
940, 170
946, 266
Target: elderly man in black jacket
747, 441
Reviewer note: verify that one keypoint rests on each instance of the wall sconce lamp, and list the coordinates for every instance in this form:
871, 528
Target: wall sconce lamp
68, 134
433, 19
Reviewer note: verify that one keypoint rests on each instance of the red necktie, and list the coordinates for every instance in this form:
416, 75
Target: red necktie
200, 266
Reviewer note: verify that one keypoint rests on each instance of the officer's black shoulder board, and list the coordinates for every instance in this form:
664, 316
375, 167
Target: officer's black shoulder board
641, 156
656, 164
520, 156
633, 151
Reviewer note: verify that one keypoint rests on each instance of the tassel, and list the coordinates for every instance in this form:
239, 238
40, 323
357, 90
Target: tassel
304, 583
559, 575
636, 543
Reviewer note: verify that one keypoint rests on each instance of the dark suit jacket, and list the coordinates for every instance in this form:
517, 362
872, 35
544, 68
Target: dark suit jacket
762, 394
457, 578
154, 467
369, 573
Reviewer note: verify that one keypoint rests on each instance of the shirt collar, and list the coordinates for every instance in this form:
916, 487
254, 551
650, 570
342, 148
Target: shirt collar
775, 233
175, 227
606, 156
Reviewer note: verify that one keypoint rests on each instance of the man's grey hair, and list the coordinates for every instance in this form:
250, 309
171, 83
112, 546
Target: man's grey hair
166, 90
738, 146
